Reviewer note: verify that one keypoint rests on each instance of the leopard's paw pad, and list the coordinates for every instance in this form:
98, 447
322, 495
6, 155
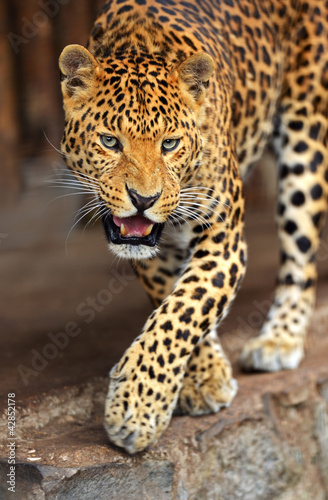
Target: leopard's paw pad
273, 352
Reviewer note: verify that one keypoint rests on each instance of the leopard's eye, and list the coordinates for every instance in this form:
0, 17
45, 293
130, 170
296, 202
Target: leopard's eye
170, 145
109, 142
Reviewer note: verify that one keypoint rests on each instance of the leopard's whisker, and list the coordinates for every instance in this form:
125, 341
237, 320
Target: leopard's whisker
80, 188
203, 196
193, 216
64, 173
178, 219
101, 212
75, 224
51, 144
72, 181
96, 216
217, 204
200, 208
93, 204
194, 203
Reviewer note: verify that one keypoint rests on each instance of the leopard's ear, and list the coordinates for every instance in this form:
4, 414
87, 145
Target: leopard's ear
195, 73
79, 70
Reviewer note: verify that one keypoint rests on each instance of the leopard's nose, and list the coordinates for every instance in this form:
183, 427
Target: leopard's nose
142, 203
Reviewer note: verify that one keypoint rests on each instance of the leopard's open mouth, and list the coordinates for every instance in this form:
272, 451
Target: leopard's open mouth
136, 230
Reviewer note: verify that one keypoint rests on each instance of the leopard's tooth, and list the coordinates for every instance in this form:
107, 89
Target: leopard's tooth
123, 230
148, 230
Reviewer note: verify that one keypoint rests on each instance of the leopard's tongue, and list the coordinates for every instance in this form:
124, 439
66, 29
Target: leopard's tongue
134, 226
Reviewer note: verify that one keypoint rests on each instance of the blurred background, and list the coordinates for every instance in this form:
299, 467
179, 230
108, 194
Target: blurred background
33, 33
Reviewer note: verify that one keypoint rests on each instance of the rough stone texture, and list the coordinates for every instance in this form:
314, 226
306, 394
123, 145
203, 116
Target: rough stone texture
272, 443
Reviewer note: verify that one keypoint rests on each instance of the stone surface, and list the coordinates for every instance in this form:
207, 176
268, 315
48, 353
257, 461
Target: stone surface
272, 443
267, 445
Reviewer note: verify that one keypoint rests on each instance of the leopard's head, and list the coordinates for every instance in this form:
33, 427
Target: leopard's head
132, 134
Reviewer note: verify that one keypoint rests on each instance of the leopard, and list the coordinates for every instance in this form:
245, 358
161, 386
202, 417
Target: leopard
167, 109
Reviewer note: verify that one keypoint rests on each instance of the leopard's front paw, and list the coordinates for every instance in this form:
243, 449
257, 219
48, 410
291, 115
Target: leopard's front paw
273, 352
208, 385
136, 413
208, 397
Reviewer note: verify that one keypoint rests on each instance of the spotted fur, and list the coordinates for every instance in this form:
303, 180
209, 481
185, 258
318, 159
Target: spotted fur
166, 111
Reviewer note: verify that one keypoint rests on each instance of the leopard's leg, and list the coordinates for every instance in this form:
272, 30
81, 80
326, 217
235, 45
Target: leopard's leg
145, 384
208, 384
303, 160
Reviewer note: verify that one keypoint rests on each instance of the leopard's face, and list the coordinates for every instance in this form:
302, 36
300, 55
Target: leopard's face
134, 131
